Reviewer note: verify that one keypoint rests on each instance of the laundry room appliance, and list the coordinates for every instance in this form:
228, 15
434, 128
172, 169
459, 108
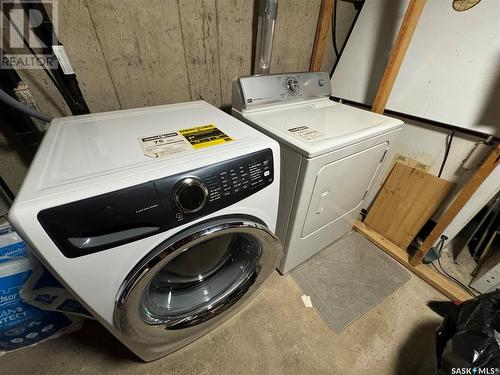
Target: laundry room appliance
330, 155
160, 220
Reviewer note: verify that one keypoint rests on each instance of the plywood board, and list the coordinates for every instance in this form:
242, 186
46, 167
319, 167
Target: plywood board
141, 44
405, 202
199, 31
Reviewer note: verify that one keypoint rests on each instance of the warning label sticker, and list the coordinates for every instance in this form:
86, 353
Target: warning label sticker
159, 145
205, 136
306, 132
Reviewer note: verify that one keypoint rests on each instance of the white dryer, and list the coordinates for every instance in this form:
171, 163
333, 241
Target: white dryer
160, 220
330, 155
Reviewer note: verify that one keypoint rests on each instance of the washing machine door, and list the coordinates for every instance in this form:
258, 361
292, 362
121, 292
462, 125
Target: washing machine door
191, 282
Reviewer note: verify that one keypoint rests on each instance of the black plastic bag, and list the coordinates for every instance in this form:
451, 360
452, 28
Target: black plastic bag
468, 341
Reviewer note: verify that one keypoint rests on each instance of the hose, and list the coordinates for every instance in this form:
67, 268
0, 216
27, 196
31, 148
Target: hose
10, 101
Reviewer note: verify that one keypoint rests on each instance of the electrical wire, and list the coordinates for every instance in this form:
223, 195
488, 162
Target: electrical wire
447, 152
448, 276
443, 271
454, 279
474, 289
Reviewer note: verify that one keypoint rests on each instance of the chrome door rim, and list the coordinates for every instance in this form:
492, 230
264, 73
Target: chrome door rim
127, 307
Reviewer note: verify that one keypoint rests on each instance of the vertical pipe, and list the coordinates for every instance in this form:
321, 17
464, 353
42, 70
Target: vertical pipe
268, 11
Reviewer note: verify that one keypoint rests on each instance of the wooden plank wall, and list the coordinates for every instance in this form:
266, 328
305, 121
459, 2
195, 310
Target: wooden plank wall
133, 53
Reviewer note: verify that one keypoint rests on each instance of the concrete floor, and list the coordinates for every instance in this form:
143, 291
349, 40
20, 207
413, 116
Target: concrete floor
274, 334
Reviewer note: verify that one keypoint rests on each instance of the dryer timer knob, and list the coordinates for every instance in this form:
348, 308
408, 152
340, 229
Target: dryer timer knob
190, 195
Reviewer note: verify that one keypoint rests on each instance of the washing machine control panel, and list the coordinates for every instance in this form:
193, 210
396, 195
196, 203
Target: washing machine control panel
238, 179
113, 219
208, 189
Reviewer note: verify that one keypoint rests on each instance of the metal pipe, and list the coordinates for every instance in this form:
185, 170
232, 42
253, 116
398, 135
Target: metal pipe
268, 11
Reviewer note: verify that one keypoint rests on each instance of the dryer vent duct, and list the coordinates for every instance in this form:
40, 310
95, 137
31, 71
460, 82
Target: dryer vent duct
268, 11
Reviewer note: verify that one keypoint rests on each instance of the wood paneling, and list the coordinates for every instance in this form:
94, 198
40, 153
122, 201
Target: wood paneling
77, 33
199, 31
141, 43
294, 35
405, 202
133, 53
235, 28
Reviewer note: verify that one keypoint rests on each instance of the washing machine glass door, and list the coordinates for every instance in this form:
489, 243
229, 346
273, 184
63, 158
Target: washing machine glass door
196, 276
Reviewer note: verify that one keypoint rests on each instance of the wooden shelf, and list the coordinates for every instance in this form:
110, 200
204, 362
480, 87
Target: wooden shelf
435, 279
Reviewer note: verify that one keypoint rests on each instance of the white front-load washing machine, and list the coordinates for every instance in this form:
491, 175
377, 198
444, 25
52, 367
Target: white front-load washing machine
160, 220
331, 154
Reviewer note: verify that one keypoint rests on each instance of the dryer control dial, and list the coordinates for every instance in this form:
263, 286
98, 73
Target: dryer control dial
292, 86
190, 195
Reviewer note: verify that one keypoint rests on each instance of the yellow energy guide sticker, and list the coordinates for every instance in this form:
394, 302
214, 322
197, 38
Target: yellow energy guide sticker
205, 136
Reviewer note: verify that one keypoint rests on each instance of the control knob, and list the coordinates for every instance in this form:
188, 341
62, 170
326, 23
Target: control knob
292, 86
190, 195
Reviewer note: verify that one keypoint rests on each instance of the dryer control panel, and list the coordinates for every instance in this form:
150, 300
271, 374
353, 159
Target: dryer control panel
113, 219
253, 92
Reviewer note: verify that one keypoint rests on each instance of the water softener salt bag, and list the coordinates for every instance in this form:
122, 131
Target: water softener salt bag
10, 243
22, 324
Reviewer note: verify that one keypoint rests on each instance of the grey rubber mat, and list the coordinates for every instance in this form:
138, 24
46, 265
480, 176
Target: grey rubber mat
348, 278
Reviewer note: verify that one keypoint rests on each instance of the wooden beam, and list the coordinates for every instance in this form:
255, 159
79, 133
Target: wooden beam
436, 280
465, 194
322, 29
408, 26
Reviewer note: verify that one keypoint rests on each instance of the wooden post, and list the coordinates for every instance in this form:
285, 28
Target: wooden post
322, 28
408, 26
467, 191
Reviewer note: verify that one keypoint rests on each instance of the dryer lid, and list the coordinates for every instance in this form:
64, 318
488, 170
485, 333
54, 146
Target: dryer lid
317, 127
